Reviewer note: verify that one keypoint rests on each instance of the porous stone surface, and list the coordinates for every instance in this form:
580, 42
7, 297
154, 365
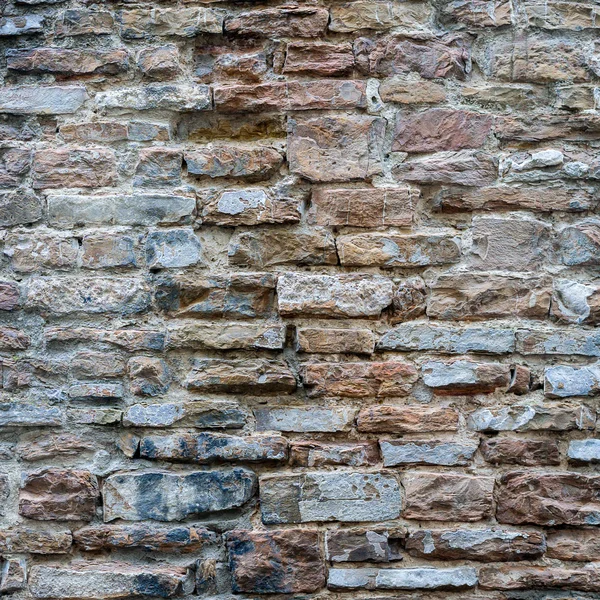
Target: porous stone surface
299, 299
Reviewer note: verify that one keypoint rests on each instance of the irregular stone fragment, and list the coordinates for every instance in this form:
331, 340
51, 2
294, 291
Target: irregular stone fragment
574, 544
58, 495
465, 377
336, 148
580, 244
304, 420
265, 248
111, 580
19, 208
209, 447
409, 300
447, 497
427, 453
159, 96
347, 497
42, 100
240, 377
363, 207
162, 496
286, 21
392, 250
333, 341
318, 454
292, 96
487, 545
576, 302
14, 164
160, 62
14, 575
520, 578
285, 561
474, 297
359, 380
516, 451
13, 339
564, 381
369, 545
406, 419
158, 167
9, 295
548, 498
155, 538
21, 540
452, 340
148, 376
341, 296
441, 129
43, 447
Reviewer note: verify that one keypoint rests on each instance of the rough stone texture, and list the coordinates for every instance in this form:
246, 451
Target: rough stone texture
344, 249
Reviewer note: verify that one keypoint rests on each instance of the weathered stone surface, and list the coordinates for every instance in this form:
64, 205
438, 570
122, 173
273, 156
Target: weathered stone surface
209, 447
285, 561
475, 297
580, 244
228, 336
304, 420
362, 14
567, 342
584, 451
351, 146
447, 497
58, 495
358, 545
148, 376
50, 100
40, 447
419, 578
172, 249
487, 545
447, 56
138, 209
519, 578
465, 377
339, 296
332, 341
100, 251
576, 302
21, 25
159, 63
74, 22
565, 381
161, 496
13, 339
14, 164
16, 414
181, 22
573, 544
363, 207
158, 167
548, 499
287, 21
91, 295
348, 497
318, 58
111, 580
14, 575
426, 453
359, 380
516, 451
67, 62
532, 417
407, 419
44, 250
391, 250
158, 96
19, 208
26, 539
156, 538
318, 454
452, 340
129, 339
441, 129
238, 376
265, 248
408, 90
477, 13
467, 167
293, 95
233, 161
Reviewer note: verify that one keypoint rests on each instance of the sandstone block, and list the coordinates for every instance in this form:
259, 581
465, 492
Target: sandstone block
407, 419
333, 341
465, 377
161, 62
519, 578
287, 21
101, 251
158, 167
148, 376
365, 14
318, 454
81, 21
573, 544
318, 58
21, 540
516, 451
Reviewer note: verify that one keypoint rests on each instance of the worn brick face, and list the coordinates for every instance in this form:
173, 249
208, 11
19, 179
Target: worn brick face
299, 299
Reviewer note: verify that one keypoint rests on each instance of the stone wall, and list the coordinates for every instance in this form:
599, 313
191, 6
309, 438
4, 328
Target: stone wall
299, 299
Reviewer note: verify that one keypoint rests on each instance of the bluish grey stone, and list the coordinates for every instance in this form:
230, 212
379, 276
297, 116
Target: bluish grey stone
138, 209
564, 381
453, 340
41, 100
159, 96
428, 453
580, 243
567, 342
349, 497
532, 418
23, 24
585, 451
13, 414
172, 248
420, 578
161, 496
304, 420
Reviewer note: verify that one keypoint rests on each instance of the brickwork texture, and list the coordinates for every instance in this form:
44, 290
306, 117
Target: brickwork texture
299, 299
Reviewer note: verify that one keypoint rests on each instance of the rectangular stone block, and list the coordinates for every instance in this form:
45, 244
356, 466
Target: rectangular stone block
465, 377
304, 419
406, 419
332, 341
228, 336
363, 545
318, 454
38, 100
564, 381
516, 451
426, 453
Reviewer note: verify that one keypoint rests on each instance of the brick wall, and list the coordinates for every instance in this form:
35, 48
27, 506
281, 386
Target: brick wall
299, 299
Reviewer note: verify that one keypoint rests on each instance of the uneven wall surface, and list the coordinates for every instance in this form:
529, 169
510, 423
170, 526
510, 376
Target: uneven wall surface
299, 299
